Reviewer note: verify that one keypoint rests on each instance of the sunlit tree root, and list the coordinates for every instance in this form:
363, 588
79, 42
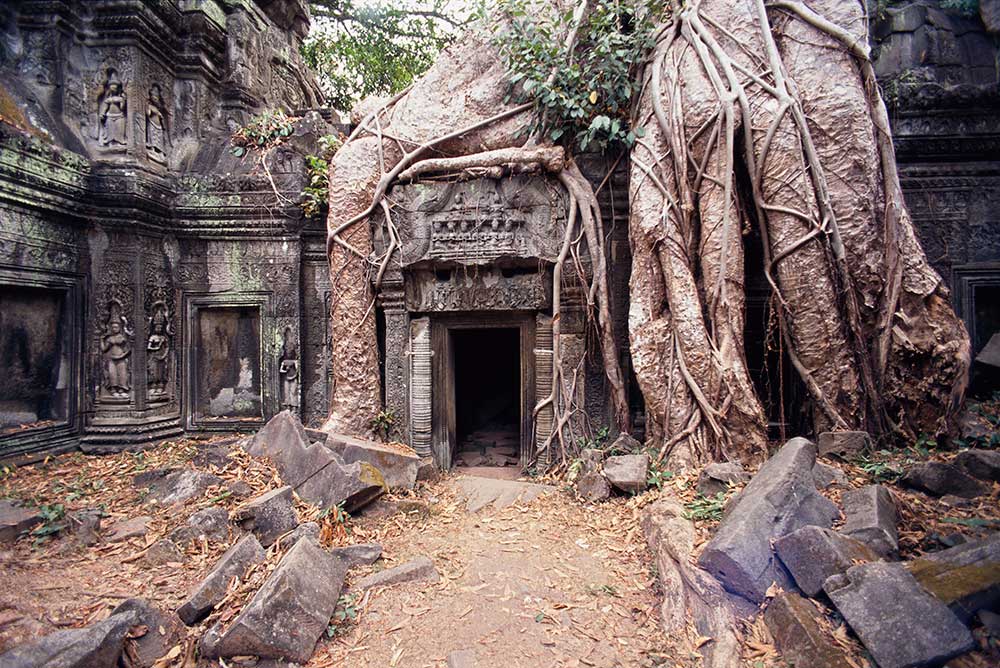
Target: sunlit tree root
779, 92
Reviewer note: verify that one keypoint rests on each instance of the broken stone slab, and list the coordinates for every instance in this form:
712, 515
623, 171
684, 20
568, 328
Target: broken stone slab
843, 444
592, 486
897, 620
781, 498
397, 463
966, 577
304, 530
170, 487
825, 476
689, 593
98, 645
269, 515
625, 443
163, 551
795, 625
812, 554
428, 470
353, 485
134, 527
629, 473
982, 464
283, 440
15, 520
481, 492
418, 569
288, 614
233, 564
361, 554
85, 525
990, 354
216, 455
719, 476
939, 479
871, 518
209, 523
163, 631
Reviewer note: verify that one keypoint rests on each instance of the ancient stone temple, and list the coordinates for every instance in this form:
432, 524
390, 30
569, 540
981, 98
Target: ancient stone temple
154, 283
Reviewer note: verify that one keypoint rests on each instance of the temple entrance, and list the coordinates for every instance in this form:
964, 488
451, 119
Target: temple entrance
487, 370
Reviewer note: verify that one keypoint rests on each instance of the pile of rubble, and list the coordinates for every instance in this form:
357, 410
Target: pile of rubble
292, 607
598, 475
776, 548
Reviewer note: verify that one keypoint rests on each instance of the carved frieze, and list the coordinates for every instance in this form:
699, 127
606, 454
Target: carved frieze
485, 289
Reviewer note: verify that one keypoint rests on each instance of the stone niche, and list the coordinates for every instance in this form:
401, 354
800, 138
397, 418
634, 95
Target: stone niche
35, 353
226, 373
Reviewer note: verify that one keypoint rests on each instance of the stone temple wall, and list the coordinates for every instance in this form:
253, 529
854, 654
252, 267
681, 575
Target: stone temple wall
941, 75
151, 282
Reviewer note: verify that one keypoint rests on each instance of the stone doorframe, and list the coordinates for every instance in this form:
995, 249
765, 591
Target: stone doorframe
444, 437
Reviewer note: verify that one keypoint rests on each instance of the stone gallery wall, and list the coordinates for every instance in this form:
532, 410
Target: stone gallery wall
940, 71
176, 276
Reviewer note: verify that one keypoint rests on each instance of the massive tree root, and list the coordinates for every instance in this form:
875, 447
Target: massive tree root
782, 92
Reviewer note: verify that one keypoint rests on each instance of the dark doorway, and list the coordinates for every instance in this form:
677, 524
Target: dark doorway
487, 367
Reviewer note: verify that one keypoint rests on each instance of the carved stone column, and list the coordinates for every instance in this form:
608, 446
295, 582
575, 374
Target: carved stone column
397, 372
421, 385
543, 388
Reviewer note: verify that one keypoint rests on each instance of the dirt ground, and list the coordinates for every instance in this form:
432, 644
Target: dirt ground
551, 582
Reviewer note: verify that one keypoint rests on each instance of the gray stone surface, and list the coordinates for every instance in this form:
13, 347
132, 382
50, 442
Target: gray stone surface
812, 554
781, 498
269, 515
15, 519
428, 470
398, 464
825, 475
939, 479
134, 527
96, 646
989, 11
719, 476
361, 554
990, 354
895, 618
965, 577
85, 525
163, 630
304, 530
843, 444
592, 486
627, 473
289, 613
163, 551
482, 492
174, 487
353, 485
871, 518
233, 564
795, 625
210, 523
982, 464
625, 443
418, 569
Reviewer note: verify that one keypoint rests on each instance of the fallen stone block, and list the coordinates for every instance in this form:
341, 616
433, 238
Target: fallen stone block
418, 569
233, 564
15, 520
304, 530
812, 554
982, 464
353, 485
163, 551
85, 525
288, 614
397, 463
825, 476
482, 492
134, 527
208, 523
269, 515
781, 498
966, 577
795, 625
428, 470
719, 476
629, 473
361, 554
843, 444
592, 486
897, 620
625, 443
871, 518
939, 479
216, 455
163, 631
170, 487
98, 645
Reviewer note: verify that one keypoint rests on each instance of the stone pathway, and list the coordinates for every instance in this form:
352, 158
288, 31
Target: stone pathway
529, 578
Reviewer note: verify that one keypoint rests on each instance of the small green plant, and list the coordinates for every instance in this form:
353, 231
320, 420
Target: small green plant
264, 131
52, 516
878, 470
658, 477
383, 424
705, 508
317, 192
344, 616
597, 441
963, 7
574, 469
